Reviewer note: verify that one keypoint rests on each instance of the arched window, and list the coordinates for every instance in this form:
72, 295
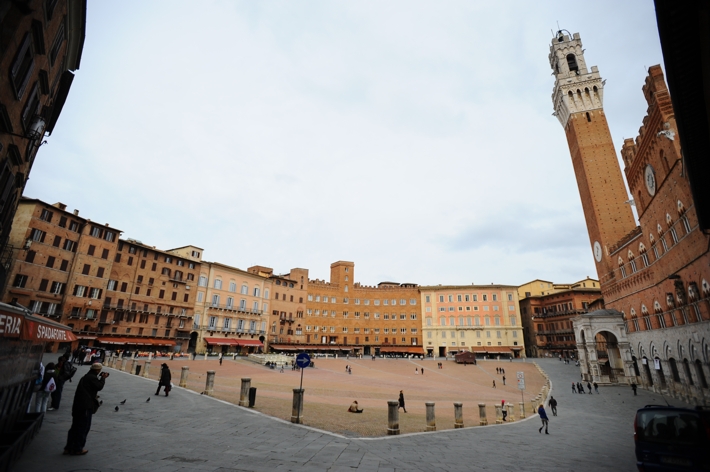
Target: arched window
572, 63
218, 284
245, 289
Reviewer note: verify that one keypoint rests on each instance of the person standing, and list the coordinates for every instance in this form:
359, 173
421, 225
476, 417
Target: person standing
553, 405
494, 384
504, 380
65, 371
84, 407
504, 409
220, 360
401, 401
165, 379
596, 387
544, 418
633, 387
422, 370
574, 388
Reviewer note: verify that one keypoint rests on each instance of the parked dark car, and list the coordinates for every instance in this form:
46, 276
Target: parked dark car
672, 439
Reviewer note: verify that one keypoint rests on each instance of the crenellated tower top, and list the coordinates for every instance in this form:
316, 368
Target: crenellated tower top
577, 89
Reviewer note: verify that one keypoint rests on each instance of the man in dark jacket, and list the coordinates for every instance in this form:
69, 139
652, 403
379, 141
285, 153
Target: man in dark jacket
85, 404
165, 379
65, 371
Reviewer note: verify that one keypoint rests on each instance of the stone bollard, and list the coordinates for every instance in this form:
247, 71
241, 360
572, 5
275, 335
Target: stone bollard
482, 414
234, 356
209, 383
522, 409
499, 414
533, 405
123, 364
296, 408
392, 417
430, 417
244, 393
511, 411
183, 376
458, 415
133, 365
146, 367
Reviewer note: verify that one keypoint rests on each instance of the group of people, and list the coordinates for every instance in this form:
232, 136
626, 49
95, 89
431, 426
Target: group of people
86, 355
416, 371
348, 369
578, 387
50, 383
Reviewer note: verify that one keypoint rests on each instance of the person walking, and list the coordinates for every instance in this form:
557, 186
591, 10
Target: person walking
84, 406
553, 405
504, 380
544, 418
596, 387
422, 370
589, 386
165, 379
574, 388
494, 384
46, 388
220, 360
401, 401
633, 387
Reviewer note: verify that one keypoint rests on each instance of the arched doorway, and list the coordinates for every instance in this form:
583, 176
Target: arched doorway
647, 371
611, 365
659, 371
193, 342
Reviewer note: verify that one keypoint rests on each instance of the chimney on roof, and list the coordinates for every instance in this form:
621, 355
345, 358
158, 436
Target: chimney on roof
76, 212
60, 205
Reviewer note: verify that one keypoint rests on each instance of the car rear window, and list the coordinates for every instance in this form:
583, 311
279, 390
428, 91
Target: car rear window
668, 426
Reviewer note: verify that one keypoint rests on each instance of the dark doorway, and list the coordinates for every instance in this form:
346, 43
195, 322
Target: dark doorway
193, 342
442, 351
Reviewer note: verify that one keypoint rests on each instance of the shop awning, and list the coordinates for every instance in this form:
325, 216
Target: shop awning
136, 341
287, 347
248, 342
82, 336
220, 341
17, 323
407, 349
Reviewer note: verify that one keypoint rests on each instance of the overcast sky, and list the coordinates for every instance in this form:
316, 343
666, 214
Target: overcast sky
413, 138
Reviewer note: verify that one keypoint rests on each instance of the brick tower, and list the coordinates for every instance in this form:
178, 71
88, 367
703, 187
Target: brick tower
578, 100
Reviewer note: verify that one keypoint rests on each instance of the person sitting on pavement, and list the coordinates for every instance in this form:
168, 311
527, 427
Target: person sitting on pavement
354, 408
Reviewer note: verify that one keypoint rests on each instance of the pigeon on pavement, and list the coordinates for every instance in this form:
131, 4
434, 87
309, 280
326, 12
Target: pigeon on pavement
115, 409
123, 402
147, 400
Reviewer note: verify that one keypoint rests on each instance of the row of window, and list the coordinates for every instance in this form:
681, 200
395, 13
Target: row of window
358, 301
156, 256
468, 308
470, 321
462, 334
366, 315
334, 340
466, 298
75, 226
228, 324
256, 292
50, 262
216, 300
345, 329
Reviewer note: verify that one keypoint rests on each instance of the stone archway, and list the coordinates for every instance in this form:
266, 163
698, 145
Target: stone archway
603, 348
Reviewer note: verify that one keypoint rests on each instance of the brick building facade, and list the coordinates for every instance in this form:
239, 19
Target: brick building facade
344, 317
40, 48
547, 315
655, 274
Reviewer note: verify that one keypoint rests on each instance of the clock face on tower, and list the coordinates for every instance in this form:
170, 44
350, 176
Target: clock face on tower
650, 178
597, 251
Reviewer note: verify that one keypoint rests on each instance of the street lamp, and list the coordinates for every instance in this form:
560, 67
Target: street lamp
35, 130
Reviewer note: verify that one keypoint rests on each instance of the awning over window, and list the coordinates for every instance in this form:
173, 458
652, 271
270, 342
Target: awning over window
287, 347
220, 341
136, 341
248, 342
407, 349
16, 323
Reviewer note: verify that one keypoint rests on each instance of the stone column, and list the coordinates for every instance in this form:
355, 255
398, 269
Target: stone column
511, 411
123, 364
146, 367
458, 415
134, 361
482, 414
183, 376
430, 417
209, 383
296, 408
244, 393
522, 409
392, 417
499, 414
